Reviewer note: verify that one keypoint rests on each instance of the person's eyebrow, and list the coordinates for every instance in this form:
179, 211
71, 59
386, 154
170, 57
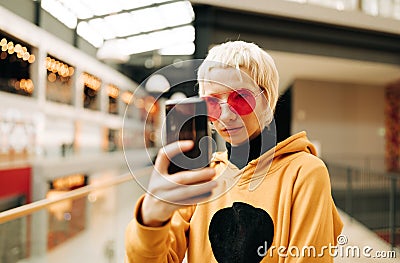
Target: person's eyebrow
218, 94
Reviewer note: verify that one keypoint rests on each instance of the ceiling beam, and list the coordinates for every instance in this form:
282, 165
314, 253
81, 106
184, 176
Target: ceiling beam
130, 10
151, 31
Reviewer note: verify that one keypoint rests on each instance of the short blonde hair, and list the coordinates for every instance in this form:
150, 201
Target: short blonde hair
240, 54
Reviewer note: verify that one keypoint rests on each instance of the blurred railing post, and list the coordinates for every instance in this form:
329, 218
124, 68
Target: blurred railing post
392, 210
360, 5
349, 192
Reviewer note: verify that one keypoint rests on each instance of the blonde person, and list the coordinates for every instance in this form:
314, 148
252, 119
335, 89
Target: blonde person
270, 202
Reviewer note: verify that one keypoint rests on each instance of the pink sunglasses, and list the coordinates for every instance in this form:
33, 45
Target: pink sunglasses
241, 101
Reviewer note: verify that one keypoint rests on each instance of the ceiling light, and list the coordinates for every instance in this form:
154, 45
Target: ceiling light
79, 8
148, 19
93, 37
182, 49
103, 28
158, 40
157, 83
177, 13
59, 11
102, 7
113, 52
143, 25
127, 5
123, 24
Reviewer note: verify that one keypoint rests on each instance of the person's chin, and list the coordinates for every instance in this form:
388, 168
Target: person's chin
236, 139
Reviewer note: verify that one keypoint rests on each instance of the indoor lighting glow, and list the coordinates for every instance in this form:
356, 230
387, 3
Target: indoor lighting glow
112, 51
148, 19
143, 25
32, 58
182, 34
138, 102
127, 97
80, 9
177, 13
127, 5
340, 6
20, 51
150, 104
91, 81
182, 49
93, 37
123, 24
68, 182
113, 91
102, 7
59, 67
25, 85
144, 43
157, 83
160, 39
104, 28
60, 12
58, 209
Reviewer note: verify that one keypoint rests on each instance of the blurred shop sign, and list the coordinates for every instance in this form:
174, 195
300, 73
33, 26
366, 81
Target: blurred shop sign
67, 218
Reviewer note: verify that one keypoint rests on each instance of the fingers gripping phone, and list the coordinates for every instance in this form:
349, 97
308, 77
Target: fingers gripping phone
186, 119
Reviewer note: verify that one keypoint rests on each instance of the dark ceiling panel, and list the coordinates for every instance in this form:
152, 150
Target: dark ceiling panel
215, 24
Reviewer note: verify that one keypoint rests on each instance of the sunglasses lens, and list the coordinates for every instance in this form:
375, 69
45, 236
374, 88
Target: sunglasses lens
242, 101
213, 108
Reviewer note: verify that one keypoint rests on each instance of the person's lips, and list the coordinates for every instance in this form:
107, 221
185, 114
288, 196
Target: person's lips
232, 130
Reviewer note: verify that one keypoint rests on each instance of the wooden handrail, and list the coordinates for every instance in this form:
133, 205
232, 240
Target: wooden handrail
71, 195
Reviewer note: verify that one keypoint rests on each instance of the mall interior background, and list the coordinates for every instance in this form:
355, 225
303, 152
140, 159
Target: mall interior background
79, 113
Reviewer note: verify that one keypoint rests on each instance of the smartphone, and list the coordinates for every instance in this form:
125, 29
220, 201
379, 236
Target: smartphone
186, 119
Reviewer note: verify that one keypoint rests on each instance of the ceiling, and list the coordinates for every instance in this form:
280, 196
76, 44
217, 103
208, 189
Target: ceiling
151, 28
120, 28
301, 66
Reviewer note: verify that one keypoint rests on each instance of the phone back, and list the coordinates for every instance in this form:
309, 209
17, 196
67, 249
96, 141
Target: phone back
187, 119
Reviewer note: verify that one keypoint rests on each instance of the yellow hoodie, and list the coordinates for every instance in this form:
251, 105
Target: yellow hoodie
293, 187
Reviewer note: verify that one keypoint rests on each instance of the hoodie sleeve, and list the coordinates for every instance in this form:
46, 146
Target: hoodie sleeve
167, 243
315, 222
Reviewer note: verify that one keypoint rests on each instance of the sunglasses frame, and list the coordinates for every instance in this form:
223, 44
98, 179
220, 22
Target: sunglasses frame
220, 101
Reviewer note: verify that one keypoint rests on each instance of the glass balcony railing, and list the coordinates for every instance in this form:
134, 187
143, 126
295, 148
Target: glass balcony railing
88, 224
370, 197
83, 225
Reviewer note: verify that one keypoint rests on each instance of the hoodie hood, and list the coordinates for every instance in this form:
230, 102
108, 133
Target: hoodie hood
294, 144
257, 169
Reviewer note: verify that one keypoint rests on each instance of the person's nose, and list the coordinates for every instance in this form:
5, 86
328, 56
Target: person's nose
226, 113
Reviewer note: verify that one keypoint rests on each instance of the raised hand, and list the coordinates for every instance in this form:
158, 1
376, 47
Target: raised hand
169, 192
